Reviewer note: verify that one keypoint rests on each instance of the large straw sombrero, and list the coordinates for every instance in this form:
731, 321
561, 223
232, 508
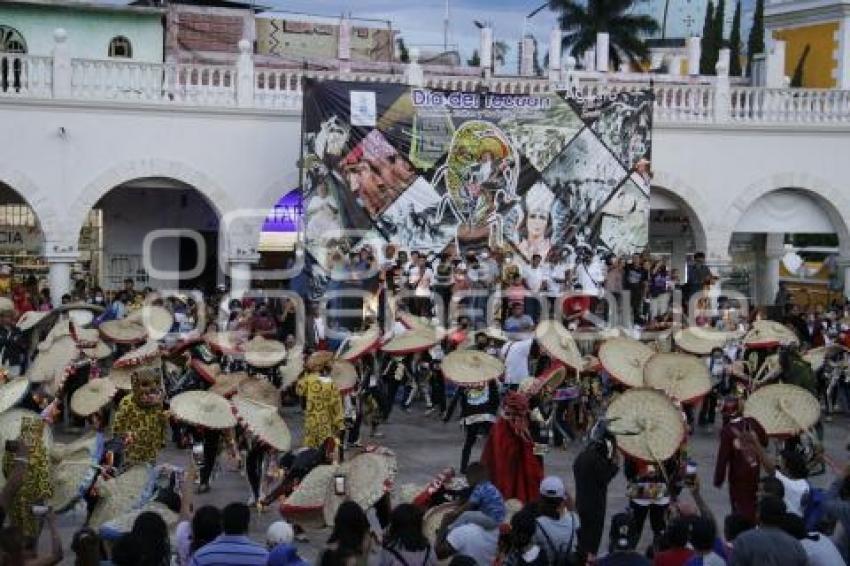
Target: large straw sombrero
12, 392
142, 355
100, 351
647, 424
700, 340
623, 359
6, 305
30, 319
414, 322
469, 368
50, 364
60, 330
119, 495
207, 372
10, 426
290, 373
433, 519
817, 356
263, 353
124, 523
123, 331
550, 379
683, 377
84, 337
69, 476
155, 319
203, 408
359, 344
558, 343
259, 390
264, 422
93, 396
121, 377
60, 451
769, 334
415, 340
310, 493
368, 477
344, 375
224, 342
226, 384
783, 409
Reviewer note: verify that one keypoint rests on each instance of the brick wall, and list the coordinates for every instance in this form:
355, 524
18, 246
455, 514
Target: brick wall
207, 30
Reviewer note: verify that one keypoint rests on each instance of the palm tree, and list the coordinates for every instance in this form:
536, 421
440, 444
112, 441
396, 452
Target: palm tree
582, 20
500, 51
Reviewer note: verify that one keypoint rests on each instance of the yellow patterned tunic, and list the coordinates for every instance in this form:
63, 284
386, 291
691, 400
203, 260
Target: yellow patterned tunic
36, 487
323, 417
146, 425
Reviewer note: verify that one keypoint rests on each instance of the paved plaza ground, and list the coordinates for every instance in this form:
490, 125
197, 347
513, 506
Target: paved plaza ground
424, 446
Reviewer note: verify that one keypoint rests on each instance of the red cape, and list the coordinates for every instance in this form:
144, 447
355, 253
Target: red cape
513, 467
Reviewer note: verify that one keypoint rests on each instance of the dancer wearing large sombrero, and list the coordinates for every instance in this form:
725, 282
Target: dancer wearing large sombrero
141, 418
324, 418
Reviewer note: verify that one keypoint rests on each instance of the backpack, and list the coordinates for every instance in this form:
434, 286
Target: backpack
562, 554
814, 507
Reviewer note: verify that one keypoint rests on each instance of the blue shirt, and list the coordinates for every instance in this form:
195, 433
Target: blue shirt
231, 550
487, 499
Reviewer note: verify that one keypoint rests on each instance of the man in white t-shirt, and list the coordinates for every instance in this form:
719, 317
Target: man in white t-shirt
515, 355
420, 278
535, 277
469, 540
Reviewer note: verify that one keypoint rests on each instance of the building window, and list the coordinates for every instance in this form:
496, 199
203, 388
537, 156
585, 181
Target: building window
120, 47
11, 40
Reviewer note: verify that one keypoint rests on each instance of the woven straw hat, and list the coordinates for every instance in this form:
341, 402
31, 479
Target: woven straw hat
30, 319
700, 340
12, 392
69, 475
290, 373
207, 372
119, 495
259, 390
100, 351
683, 377
84, 337
344, 375
783, 409
413, 322
156, 320
318, 361
60, 451
6, 305
121, 378
623, 359
407, 492
142, 355
124, 523
264, 422
470, 367
226, 384
50, 364
558, 343
224, 342
648, 425
310, 493
93, 396
263, 353
551, 379
415, 340
10, 426
123, 331
368, 477
203, 408
359, 344
769, 334
496, 333
434, 518
817, 356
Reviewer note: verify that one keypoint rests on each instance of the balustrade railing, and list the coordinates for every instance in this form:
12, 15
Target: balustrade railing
701, 100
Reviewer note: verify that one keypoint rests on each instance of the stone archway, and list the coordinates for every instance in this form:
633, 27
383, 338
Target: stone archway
45, 214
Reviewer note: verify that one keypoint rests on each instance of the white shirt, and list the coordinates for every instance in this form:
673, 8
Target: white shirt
534, 277
794, 492
515, 355
420, 280
473, 541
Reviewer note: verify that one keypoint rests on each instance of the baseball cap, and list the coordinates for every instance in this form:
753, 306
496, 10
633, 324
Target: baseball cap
553, 487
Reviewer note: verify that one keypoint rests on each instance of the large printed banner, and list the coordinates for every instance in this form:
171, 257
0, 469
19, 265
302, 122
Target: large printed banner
431, 170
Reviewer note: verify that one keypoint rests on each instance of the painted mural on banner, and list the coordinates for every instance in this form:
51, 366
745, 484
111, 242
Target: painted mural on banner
430, 170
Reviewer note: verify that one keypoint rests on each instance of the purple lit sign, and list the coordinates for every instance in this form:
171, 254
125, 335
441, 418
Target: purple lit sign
286, 214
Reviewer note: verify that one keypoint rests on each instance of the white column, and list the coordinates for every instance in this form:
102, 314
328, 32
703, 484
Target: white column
245, 75
774, 250
694, 54
675, 68
842, 78
61, 65
722, 103
486, 50
344, 45
555, 54
414, 74
59, 278
602, 52
526, 64
775, 65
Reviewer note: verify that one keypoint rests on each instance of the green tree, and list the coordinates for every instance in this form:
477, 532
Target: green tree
403, 53
708, 51
735, 43
582, 20
719, 24
475, 60
500, 52
755, 43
